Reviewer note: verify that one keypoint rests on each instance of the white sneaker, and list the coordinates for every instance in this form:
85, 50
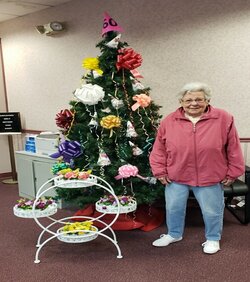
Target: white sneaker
211, 247
165, 240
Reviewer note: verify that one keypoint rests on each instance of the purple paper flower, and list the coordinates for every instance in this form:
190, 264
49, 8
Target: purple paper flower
41, 204
111, 201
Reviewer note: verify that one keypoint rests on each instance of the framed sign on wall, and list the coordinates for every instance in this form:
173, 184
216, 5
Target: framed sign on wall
10, 123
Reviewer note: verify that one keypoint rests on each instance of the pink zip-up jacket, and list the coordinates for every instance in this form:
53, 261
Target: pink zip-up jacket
198, 155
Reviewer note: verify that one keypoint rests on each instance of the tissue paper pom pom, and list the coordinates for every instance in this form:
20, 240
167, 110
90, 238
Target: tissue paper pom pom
89, 94
92, 64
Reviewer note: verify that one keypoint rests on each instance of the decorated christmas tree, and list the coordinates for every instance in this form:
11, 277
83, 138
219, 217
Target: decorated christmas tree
111, 124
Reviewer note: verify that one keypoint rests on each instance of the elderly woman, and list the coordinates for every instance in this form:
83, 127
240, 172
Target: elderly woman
197, 148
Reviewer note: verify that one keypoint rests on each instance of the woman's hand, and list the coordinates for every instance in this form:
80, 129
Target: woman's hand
164, 180
227, 182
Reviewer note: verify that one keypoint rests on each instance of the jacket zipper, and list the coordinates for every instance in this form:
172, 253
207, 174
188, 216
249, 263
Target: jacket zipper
195, 153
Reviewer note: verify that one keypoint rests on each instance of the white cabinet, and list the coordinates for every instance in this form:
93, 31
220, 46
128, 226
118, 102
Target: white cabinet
32, 171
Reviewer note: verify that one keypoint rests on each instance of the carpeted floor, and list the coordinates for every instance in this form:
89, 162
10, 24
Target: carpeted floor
96, 260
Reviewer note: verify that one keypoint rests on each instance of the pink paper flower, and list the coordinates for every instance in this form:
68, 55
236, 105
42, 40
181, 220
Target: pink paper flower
83, 175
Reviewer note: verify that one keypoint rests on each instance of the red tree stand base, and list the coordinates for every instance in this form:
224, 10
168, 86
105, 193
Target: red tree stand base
145, 218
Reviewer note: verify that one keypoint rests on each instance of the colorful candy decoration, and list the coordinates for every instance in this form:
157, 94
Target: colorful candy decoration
131, 130
89, 94
103, 159
68, 150
109, 24
142, 100
114, 42
64, 118
127, 58
92, 64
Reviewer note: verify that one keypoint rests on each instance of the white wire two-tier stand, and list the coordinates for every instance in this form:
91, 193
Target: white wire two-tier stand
52, 228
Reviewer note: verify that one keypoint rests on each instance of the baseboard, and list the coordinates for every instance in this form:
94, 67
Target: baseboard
5, 175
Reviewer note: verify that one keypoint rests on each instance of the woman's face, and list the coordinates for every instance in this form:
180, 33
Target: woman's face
194, 103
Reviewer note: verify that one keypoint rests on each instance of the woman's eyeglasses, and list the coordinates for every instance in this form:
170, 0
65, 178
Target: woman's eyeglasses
197, 101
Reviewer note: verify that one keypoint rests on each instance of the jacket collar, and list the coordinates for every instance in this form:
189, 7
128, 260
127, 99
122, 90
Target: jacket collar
210, 113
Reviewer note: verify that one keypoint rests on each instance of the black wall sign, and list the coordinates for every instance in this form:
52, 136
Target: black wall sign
10, 123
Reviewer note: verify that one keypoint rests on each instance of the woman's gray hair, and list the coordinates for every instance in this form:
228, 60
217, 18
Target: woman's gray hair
193, 87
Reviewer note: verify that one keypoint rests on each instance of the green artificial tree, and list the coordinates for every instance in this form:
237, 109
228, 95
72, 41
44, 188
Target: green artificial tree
114, 122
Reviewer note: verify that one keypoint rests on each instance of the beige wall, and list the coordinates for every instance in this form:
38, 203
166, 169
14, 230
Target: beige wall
180, 41
4, 146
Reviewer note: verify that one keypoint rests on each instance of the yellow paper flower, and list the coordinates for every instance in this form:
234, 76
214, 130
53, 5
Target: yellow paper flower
82, 227
110, 121
92, 64
64, 171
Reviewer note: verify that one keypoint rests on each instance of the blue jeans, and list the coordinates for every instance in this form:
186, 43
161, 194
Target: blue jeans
211, 202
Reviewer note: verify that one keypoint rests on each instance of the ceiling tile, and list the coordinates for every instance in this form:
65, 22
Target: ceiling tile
11, 9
